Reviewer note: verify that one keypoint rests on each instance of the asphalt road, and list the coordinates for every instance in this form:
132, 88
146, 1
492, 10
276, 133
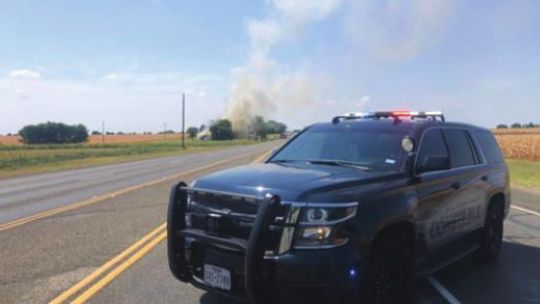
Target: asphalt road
41, 259
20, 197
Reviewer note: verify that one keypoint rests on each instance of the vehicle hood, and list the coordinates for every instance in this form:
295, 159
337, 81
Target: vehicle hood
291, 182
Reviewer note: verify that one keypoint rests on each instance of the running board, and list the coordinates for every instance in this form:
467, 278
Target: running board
450, 258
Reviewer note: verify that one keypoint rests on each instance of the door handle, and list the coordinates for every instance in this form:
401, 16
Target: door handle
485, 178
456, 186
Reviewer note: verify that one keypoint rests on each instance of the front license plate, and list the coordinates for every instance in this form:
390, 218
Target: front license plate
217, 277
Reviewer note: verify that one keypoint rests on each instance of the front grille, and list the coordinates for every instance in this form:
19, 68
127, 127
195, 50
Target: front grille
232, 227
236, 215
226, 204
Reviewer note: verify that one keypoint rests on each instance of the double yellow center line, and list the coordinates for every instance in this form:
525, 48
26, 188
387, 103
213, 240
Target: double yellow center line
129, 257
149, 239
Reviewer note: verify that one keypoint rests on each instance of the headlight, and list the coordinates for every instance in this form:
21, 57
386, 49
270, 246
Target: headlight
317, 237
319, 225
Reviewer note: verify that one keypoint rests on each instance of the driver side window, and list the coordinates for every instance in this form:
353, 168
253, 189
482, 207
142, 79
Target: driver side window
433, 152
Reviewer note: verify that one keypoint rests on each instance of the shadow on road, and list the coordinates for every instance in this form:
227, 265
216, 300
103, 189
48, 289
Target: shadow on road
422, 294
210, 298
513, 278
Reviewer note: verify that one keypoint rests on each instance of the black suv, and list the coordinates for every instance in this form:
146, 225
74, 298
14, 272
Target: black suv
349, 210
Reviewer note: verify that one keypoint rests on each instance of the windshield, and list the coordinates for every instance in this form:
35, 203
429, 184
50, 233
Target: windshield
373, 149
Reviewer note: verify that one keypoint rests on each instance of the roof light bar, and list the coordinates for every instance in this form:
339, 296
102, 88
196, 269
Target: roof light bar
434, 115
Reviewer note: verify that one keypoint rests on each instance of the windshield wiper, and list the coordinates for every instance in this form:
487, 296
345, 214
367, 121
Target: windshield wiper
281, 161
341, 163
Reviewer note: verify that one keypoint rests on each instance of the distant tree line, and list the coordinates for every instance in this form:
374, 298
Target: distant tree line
53, 133
221, 129
98, 133
261, 128
192, 132
166, 132
518, 125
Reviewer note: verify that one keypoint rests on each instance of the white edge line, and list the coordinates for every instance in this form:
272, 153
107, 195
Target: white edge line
447, 295
529, 211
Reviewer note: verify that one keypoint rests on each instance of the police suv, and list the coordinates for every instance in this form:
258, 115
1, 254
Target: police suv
346, 211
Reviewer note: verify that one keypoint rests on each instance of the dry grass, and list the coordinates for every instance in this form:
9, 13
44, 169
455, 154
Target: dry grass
28, 159
109, 139
520, 146
116, 139
521, 131
9, 140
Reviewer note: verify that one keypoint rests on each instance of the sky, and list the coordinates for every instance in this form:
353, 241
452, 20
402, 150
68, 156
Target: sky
127, 63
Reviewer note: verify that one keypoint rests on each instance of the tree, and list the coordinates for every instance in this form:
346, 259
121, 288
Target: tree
96, 132
502, 126
221, 130
166, 132
516, 125
53, 133
259, 127
192, 132
274, 127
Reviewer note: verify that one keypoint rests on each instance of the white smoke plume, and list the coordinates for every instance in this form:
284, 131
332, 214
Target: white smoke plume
397, 30
263, 83
388, 29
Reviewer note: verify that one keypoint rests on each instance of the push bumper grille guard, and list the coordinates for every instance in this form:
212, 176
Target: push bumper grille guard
253, 249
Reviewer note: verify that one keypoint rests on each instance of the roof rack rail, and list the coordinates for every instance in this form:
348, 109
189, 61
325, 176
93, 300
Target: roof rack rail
433, 115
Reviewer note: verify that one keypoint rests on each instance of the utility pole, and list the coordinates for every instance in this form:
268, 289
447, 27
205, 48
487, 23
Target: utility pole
103, 132
183, 120
164, 131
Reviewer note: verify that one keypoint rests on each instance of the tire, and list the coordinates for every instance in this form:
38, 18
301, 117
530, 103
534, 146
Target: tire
492, 234
388, 276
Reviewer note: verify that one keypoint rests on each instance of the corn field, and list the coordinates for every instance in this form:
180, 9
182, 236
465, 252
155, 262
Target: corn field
525, 146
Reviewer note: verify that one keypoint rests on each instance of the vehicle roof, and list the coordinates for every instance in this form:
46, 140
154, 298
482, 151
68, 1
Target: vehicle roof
411, 126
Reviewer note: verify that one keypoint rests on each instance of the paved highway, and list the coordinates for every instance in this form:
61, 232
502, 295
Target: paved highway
110, 248
24, 196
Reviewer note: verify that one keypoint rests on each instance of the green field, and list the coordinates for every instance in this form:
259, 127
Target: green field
524, 173
29, 159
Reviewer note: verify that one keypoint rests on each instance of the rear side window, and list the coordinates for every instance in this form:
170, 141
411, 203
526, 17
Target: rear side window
461, 150
489, 146
432, 145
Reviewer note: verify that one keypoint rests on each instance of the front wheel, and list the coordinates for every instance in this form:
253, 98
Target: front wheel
492, 234
389, 275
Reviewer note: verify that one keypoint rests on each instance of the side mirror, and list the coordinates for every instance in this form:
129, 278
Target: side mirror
434, 163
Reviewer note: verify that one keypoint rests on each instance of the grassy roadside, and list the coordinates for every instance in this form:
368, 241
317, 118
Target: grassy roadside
18, 160
524, 173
